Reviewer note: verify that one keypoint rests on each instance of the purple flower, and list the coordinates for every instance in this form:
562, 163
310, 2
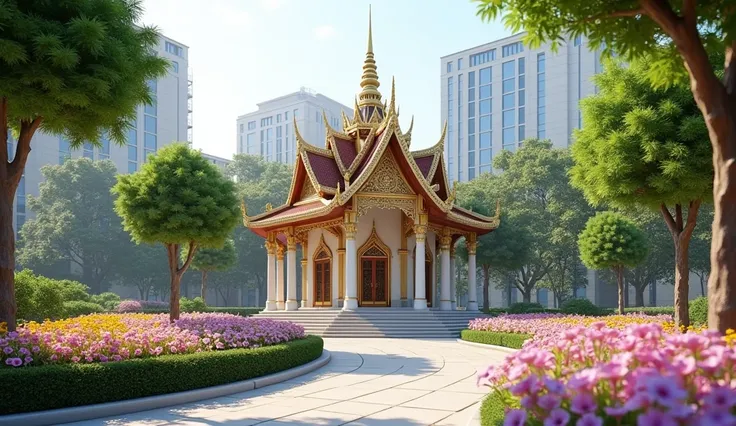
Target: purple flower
654, 417
589, 419
8, 350
548, 402
558, 417
665, 391
583, 403
716, 418
720, 398
515, 418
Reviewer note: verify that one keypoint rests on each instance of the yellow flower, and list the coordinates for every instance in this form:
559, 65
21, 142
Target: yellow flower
3, 327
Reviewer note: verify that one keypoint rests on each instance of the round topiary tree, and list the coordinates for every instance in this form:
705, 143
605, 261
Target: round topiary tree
177, 198
209, 259
609, 240
580, 307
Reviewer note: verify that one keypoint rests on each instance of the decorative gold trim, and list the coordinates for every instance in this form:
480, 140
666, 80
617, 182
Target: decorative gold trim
365, 202
374, 241
303, 230
387, 178
305, 273
471, 243
403, 259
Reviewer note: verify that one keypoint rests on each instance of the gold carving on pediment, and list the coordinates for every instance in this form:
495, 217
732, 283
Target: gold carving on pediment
366, 203
307, 190
387, 178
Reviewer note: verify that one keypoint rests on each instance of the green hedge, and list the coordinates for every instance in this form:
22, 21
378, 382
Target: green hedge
508, 340
57, 386
647, 310
492, 410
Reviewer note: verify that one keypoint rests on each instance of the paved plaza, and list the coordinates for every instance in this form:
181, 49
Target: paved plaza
382, 382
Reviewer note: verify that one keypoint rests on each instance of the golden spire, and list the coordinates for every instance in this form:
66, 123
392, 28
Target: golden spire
369, 95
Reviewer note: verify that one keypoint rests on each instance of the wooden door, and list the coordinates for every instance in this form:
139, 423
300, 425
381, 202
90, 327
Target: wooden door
322, 281
374, 281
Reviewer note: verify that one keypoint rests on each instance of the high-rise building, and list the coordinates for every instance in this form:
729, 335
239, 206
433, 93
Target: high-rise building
497, 94
157, 125
220, 162
269, 131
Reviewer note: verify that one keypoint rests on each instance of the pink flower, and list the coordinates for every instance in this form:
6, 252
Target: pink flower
515, 418
583, 403
558, 417
589, 419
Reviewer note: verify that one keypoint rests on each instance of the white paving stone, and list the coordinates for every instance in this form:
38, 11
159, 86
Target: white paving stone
382, 382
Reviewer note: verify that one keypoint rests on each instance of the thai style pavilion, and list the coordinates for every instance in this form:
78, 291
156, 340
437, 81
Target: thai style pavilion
371, 217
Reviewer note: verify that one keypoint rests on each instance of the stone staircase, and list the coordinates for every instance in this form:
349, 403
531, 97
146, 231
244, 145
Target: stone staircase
378, 322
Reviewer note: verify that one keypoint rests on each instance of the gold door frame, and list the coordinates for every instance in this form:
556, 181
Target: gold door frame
374, 241
322, 246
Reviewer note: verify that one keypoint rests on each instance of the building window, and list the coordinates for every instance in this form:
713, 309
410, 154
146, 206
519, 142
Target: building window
316, 116
541, 98
471, 125
459, 64
482, 57
450, 126
174, 49
132, 140
88, 151
508, 104
266, 121
65, 151
449, 66
242, 127
251, 125
296, 114
278, 118
104, 148
150, 124
512, 49
577, 41
250, 143
485, 113
543, 297
286, 115
175, 66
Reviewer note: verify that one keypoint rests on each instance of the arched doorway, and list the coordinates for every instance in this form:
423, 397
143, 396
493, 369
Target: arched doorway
428, 274
322, 267
374, 272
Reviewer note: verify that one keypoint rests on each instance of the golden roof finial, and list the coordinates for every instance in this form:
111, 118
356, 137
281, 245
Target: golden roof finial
244, 210
369, 95
356, 113
392, 105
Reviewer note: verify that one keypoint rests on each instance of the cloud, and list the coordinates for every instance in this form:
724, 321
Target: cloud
323, 32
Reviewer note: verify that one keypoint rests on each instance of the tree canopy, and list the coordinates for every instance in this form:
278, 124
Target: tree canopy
75, 221
178, 198
211, 259
649, 147
74, 68
611, 241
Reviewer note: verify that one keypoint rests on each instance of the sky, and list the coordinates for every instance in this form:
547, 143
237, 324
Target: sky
242, 52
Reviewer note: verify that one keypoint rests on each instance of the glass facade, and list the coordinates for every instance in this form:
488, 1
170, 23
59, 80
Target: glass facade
65, 150
485, 114
150, 122
512, 49
450, 128
471, 125
541, 97
88, 151
133, 148
482, 57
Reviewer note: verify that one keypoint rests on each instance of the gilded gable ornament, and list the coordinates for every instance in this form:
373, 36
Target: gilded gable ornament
387, 178
307, 191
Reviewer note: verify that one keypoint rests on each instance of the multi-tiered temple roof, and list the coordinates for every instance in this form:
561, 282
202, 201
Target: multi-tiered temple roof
371, 155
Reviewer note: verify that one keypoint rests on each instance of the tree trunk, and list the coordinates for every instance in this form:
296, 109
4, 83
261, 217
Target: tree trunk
640, 295
7, 257
486, 284
619, 270
682, 285
204, 287
527, 295
173, 253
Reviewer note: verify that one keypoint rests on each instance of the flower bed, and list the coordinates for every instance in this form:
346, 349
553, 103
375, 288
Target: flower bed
141, 305
600, 374
117, 337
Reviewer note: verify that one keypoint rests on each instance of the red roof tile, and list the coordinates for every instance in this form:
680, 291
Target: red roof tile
346, 150
326, 170
297, 209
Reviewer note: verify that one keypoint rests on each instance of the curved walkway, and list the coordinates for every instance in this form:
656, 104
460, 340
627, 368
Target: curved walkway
382, 382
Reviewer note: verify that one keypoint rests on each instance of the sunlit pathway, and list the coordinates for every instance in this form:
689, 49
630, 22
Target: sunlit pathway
368, 382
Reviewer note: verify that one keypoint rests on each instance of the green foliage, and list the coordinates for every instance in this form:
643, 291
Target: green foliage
212, 259
699, 311
611, 241
109, 301
177, 197
80, 66
76, 308
580, 307
72, 291
508, 340
38, 297
151, 272
525, 308
192, 305
615, 27
75, 222
492, 410
639, 145
73, 385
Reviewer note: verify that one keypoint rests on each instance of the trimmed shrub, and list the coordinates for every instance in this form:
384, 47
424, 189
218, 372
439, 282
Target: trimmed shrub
76, 308
492, 410
108, 300
698, 311
580, 307
508, 340
192, 305
525, 308
73, 290
71, 385
38, 297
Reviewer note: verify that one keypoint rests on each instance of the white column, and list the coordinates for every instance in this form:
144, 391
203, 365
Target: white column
445, 302
453, 278
472, 272
271, 276
420, 290
304, 273
280, 305
291, 303
351, 267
